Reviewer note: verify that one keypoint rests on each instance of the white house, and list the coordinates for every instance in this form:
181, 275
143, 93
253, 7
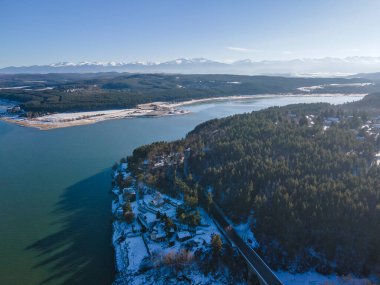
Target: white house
184, 235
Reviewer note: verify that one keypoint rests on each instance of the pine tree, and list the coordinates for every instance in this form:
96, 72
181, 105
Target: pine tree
216, 244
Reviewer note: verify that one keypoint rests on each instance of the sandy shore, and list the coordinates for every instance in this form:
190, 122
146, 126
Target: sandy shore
63, 120
154, 109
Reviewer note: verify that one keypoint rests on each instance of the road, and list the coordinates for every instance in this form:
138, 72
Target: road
262, 270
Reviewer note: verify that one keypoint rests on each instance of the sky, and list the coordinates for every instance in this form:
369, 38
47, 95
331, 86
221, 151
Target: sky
50, 31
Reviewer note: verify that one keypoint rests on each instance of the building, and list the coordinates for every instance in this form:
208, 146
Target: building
331, 120
14, 110
158, 236
174, 202
119, 213
157, 201
142, 221
377, 159
130, 193
184, 235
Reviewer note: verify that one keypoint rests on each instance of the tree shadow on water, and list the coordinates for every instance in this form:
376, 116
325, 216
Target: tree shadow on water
80, 252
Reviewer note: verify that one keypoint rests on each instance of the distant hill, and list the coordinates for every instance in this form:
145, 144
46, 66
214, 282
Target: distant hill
369, 104
321, 67
100, 91
372, 76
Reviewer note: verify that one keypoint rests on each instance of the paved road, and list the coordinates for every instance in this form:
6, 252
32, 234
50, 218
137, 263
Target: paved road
265, 273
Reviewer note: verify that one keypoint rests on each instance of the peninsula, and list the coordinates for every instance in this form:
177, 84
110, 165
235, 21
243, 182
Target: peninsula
269, 175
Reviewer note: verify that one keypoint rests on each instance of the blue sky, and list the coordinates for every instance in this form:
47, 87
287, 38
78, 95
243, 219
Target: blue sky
48, 31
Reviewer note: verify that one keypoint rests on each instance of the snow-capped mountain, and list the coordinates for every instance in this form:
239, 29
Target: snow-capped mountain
319, 67
189, 61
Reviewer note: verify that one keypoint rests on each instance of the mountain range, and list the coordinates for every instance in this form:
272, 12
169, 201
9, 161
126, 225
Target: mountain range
321, 67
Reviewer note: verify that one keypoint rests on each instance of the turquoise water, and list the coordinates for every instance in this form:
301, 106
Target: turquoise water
55, 205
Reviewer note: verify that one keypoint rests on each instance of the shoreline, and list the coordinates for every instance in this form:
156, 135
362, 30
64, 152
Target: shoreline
153, 109
131, 246
137, 244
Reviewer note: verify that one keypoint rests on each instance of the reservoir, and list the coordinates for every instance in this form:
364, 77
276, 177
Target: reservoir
55, 203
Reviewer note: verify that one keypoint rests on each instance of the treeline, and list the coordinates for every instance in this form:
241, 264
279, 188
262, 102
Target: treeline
101, 91
370, 104
313, 194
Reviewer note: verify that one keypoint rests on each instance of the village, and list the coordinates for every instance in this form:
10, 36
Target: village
370, 130
149, 229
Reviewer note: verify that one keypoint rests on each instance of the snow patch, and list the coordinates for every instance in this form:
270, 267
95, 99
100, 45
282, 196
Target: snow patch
244, 231
316, 87
314, 278
136, 252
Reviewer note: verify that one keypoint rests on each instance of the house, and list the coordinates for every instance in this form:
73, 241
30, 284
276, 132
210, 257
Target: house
174, 202
121, 200
130, 193
142, 221
126, 175
14, 110
119, 213
123, 166
184, 235
331, 120
157, 201
158, 236
377, 159
158, 232
159, 164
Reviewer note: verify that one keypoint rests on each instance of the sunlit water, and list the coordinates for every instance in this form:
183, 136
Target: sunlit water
55, 205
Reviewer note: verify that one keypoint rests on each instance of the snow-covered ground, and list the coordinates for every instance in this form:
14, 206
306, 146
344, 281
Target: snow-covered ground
69, 119
165, 276
314, 278
14, 88
244, 231
121, 252
136, 252
316, 87
207, 227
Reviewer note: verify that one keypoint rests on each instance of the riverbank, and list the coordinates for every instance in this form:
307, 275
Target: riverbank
154, 109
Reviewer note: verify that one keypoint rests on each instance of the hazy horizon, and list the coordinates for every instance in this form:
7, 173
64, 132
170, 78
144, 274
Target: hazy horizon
147, 62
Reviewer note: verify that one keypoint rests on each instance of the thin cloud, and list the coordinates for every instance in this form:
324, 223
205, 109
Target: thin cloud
240, 49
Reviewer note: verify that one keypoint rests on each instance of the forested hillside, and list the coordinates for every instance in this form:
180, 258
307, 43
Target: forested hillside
100, 91
305, 173
369, 104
